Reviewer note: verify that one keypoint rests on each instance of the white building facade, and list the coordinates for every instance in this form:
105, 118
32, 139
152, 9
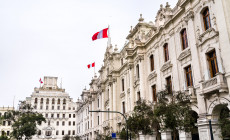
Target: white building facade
5, 127
58, 109
186, 48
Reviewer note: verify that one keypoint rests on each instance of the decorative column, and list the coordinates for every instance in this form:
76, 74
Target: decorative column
132, 94
185, 135
166, 135
141, 74
114, 105
205, 131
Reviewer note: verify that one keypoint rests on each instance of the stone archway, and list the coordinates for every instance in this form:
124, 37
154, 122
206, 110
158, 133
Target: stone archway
194, 131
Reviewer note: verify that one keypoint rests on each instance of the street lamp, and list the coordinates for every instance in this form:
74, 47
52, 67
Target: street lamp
209, 117
127, 133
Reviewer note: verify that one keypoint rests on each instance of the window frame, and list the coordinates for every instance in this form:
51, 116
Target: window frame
210, 64
151, 59
206, 15
166, 52
184, 39
188, 74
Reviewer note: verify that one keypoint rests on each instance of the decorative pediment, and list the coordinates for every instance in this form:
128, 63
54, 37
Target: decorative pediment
166, 66
207, 35
184, 54
152, 75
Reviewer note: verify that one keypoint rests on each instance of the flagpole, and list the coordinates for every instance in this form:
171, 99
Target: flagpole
109, 39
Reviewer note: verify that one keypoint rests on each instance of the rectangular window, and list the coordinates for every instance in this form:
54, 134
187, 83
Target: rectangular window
57, 115
154, 93
69, 115
7, 133
41, 107
121, 61
98, 103
151, 63
46, 115
138, 95
166, 52
206, 19
63, 107
52, 115
73, 132
57, 123
63, 123
69, 123
47, 107
58, 107
169, 84
98, 120
123, 107
73, 123
4, 123
9, 123
63, 115
69, 132
73, 115
123, 84
138, 71
184, 40
213, 67
57, 132
188, 74
52, 107
63, 132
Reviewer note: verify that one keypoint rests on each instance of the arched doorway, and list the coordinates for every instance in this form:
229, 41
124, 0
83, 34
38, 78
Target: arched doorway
224, 120
194, 131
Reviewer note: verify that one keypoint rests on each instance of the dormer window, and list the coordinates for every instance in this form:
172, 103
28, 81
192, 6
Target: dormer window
166, 52
184, 40
206, 19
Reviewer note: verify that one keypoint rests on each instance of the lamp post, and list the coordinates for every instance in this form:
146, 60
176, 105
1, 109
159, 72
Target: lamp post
209, 117
127, 133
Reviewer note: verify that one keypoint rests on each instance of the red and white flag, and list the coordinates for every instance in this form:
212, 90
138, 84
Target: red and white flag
91, 65
40, 81
102, 34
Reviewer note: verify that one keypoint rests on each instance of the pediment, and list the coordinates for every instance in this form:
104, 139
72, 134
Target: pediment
152, 75
184, 54
166, 66
207, 35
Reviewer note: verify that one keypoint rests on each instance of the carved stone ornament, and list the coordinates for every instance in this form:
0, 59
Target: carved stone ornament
207, 35
184, 54
152, 75
139, 58
166, 66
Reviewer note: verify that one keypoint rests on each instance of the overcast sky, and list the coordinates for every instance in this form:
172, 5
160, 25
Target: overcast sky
53, 38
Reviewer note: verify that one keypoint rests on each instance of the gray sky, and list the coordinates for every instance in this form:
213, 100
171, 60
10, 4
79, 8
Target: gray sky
53, 38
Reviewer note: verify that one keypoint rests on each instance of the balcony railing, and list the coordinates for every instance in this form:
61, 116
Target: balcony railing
214, 85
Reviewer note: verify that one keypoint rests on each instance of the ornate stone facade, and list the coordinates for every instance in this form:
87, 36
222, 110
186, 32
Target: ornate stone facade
126, 76
58, 109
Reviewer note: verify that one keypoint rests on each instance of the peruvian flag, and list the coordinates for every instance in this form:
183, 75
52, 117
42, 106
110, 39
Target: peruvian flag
91, 65
102, 34
40, 81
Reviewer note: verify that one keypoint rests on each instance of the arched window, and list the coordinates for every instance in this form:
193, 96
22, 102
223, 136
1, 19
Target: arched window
47, 101
137, 71
41, 102
58, 101
151, 63
206, 19
36, 100
166, 52
53, 101
64, 101
184, 40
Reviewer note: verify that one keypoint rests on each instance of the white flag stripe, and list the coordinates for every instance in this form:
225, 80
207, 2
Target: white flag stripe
100, 35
